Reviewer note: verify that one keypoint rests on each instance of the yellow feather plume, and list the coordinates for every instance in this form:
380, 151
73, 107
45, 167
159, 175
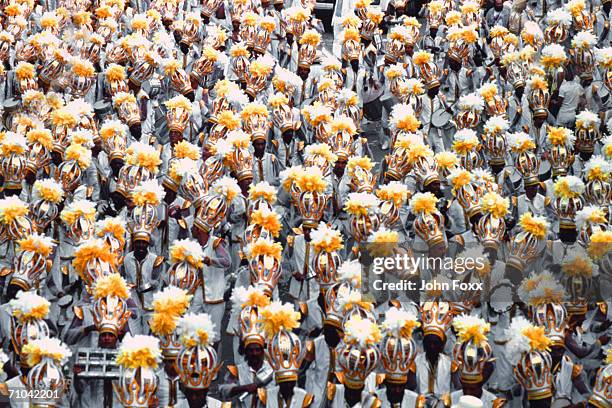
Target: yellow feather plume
535, 226
277, 317
111, 285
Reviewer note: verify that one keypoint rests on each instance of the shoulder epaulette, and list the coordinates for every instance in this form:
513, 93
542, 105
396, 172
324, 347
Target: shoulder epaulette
380, 378
78, 312
331, 391
499, 402
159, 260
274, 143
217, 242
377, 403
307, 400
261, 393
514, 201
233, 370
303, 308
547, 201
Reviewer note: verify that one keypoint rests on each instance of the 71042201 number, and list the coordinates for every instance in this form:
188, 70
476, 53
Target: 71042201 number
33, 394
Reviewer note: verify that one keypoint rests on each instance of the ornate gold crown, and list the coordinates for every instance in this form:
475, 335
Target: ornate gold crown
436, 317
110, 309
30, 265
602, 389
264, 264
553, 317
472, 350
358, 354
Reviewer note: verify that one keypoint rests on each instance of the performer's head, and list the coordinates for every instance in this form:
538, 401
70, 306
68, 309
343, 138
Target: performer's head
259, 147
175, 137
531, 190
454, 64
288, 135
340, 166
107, 340
499, 5
254, 354
433, 91
116, 164
140, 247
433, 345
332, 335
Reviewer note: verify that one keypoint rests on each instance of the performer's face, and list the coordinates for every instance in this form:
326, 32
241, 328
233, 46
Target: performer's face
140, 247
175, 137
395, 392
332, 336
531, 191
116, 165
433, 345
499, 4
107, 340
254, 354
170, 195
259, 146
339, 167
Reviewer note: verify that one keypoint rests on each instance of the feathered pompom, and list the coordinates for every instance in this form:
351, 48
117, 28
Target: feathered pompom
187, 250
520, 142
92, 249
597, 168
590, 215
264, 247
310, 37
267, 219
179, 102
168, 306
24, 70
587, 120
497, 125
28, 306
471, 329
148, 192
197, 330
600, 244
361, 204
80, 154
262, 66
143, 155
559, 17
361, 332
36, 243
471, 102
446, 160
535, 225
423, 203
560, 136
569, 187
277, 317
111, 285
584, 40
404, 119
262, 190
496, 205
12, 208
321, 150
48, 347
524, 337
226, 187
400, 323
114, 226
139, 352
184, 149
327, 239
394, 191
422, 57
77, 209
311, 179
579, 264
459, 178
251, 296
382, 242
13, 144
465, 141
83, 68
